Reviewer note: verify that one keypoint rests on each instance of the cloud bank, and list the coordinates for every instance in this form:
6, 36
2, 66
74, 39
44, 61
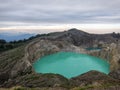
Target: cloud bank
31, 12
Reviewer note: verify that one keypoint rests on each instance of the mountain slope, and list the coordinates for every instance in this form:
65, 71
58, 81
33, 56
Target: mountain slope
81, 38
16, 64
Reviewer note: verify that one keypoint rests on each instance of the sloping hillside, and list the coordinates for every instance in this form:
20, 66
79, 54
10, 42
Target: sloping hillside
16, 64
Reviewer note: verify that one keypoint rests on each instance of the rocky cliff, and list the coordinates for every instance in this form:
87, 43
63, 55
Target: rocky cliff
16, 65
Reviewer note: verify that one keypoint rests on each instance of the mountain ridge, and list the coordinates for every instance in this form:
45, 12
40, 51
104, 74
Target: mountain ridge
16, 64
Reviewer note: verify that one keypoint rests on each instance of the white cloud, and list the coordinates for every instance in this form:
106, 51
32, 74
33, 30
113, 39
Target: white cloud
30, 12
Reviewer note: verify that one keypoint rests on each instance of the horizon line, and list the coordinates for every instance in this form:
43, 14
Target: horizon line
91, 28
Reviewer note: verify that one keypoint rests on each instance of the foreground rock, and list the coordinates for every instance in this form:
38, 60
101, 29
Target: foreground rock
38, 80
91, 80
115, 74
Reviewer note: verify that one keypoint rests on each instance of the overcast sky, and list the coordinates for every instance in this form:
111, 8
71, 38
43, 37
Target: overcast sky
14, 13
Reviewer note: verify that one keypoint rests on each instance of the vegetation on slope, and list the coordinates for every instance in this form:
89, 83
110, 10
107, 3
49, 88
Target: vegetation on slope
13, 60
4, 45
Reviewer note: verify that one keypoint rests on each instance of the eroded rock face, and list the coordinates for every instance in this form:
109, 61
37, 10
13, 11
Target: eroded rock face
111, 53
36, 49
17, 63
41, 47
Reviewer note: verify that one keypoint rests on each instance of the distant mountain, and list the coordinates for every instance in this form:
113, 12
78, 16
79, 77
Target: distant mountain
9, 36
81, 38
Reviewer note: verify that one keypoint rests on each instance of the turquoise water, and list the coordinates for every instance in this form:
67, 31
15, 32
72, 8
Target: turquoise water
93, 48
70, 64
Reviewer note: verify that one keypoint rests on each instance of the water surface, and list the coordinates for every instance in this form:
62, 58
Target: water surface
70, 64
93, 48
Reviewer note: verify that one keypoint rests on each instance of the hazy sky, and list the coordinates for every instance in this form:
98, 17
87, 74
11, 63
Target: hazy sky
100, 14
